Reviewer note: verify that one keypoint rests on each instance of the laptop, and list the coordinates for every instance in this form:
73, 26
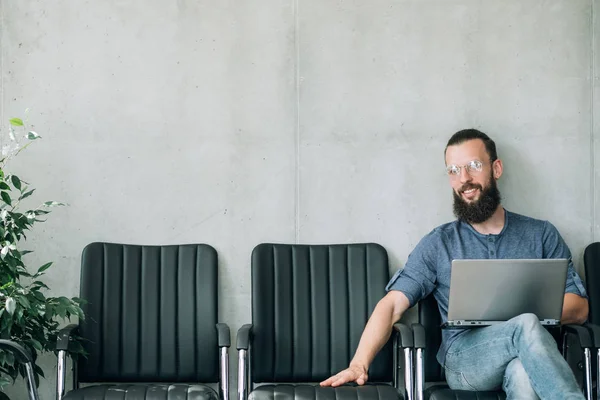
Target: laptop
487, 292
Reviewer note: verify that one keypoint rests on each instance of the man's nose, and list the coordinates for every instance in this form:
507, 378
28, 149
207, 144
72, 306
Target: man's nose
464, 175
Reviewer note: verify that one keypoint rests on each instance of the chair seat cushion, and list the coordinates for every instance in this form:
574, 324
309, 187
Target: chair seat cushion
315, 392
143, 392
443, 392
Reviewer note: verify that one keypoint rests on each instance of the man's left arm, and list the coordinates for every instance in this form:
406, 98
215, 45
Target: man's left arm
575, 309
575, 304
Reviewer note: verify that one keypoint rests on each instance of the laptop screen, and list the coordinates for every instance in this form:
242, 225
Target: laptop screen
498, 290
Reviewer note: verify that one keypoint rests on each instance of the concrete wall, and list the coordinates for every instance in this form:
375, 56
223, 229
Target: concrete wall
234, 123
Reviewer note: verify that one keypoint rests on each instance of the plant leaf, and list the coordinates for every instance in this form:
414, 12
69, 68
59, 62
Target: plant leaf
16, 122
36, 345
24, 302
31, 135
43, 268
26, 194
16, 182
6, 197
53, 204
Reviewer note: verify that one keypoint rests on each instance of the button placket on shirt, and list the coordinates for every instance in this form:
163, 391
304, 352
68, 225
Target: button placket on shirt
491, 247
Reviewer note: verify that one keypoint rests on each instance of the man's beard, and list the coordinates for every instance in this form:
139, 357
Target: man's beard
480, 210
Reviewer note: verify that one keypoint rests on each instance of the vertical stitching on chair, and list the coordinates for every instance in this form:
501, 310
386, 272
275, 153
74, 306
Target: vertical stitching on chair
121, 312
140, 311
366, 269
292, 313
329, 328
159, 295
310, 316
176, 333
349, 311
366, 282
274, 322
195, 300
102, 308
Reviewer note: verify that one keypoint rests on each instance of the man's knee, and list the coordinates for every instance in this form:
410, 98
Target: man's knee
528, 327
526, 322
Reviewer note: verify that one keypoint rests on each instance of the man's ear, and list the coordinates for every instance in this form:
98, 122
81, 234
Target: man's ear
497, 169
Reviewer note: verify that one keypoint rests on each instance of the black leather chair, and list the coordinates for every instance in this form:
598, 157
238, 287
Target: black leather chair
22, 356
429, 375
151, 325
591, 258
310, 304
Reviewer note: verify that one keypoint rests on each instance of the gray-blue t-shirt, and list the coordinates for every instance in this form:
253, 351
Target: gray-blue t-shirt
427, 269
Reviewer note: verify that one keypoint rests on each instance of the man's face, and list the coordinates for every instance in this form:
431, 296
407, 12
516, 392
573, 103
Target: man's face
473, 179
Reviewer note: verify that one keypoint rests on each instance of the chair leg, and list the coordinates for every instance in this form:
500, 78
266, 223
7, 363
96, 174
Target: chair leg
242, 375
224, 378
33, 394
408, 374
588, 374
598, 374
419, 374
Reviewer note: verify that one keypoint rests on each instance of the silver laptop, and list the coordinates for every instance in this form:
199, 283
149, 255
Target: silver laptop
487, 292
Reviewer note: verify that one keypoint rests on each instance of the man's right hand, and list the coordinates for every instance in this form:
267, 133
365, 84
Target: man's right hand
353, 373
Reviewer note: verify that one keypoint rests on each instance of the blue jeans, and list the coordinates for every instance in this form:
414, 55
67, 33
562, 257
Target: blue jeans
519, 356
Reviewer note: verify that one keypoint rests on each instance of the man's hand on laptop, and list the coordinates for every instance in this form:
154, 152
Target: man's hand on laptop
354, 373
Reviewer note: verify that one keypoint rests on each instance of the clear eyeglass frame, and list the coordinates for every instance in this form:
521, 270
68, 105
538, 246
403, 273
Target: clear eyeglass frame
472, 167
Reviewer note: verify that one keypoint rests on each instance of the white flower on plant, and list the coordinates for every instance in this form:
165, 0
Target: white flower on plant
11, 134
11, 305
3, 215
6, 247
5, 150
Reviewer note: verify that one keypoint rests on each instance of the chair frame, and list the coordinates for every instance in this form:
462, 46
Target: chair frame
23, 356
582, 332
66, 334
402, 339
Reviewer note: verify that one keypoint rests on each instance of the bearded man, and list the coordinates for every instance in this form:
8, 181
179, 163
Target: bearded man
519, 355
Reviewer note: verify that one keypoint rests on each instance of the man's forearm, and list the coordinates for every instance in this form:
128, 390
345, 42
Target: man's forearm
575, 309
379, 328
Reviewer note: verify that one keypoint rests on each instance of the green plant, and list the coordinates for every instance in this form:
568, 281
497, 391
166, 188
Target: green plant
27, 316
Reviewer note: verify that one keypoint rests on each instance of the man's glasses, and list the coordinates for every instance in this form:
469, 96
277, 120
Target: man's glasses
472, 167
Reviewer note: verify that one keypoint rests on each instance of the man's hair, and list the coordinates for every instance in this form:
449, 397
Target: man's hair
470, 134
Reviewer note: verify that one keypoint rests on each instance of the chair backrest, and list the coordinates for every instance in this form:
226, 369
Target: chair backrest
310, 304
429, 317
150, 313
591, 258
